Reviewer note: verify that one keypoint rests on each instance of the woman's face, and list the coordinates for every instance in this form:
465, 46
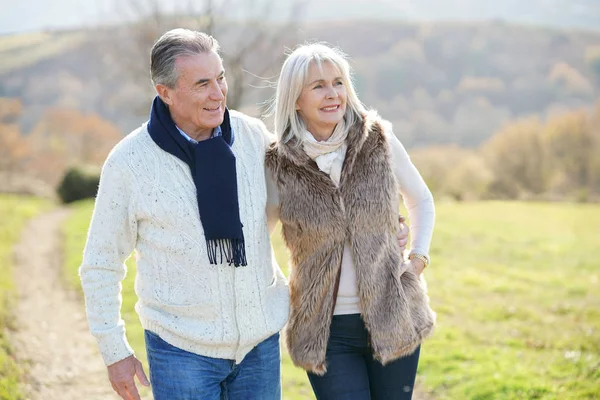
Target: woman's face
322, 103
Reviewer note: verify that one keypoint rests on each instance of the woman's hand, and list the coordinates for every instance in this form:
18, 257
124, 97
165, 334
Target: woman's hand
417, 266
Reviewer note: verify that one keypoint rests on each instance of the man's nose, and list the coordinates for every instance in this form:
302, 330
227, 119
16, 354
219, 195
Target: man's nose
216, 92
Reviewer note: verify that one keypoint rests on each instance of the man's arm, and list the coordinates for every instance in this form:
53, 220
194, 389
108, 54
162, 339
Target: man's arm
272, 209
272, 202
111, 239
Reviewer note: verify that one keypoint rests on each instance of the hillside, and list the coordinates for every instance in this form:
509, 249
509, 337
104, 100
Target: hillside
437, 82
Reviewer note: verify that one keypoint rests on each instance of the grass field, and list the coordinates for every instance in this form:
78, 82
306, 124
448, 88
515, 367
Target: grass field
14, 212
517, 291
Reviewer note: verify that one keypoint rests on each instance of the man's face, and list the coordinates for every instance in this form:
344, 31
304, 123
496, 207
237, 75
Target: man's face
197, 103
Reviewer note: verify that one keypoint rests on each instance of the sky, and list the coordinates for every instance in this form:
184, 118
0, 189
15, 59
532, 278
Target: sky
18, 16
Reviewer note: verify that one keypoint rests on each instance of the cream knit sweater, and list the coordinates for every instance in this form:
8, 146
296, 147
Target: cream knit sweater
147, 202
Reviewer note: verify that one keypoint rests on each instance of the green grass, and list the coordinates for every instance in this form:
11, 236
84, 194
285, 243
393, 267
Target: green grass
517, 290
14, 213
295, 385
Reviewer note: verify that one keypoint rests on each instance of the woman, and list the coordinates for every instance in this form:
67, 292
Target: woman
358, 311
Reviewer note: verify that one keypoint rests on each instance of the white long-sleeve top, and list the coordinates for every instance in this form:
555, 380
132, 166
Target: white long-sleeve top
417, 199
147, 201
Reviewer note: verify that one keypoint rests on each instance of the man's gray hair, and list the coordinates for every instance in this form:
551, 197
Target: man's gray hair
176, 43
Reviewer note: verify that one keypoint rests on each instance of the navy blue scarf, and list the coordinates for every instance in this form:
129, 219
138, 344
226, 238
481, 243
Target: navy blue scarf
212, 164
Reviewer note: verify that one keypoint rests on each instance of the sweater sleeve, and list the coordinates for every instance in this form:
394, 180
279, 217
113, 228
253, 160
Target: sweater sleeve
272, 192
111, 239
416, 196
272, 201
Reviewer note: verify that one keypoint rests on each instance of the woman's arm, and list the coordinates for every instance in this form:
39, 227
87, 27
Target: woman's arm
416, 196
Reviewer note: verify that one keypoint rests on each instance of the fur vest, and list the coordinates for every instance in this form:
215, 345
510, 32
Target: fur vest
318, 219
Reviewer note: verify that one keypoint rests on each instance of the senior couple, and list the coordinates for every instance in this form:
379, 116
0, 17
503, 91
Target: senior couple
196, 192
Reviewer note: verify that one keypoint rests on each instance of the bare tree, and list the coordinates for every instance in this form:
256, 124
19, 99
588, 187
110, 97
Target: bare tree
253, 35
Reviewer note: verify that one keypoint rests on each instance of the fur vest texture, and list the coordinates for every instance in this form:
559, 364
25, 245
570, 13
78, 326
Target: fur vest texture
318, 219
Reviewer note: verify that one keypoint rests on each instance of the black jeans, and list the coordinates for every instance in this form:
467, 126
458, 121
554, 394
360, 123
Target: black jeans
353, 373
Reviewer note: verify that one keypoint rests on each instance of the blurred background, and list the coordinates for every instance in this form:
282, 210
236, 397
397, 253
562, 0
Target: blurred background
498, 104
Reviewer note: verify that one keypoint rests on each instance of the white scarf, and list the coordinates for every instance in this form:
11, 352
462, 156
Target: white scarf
329, 154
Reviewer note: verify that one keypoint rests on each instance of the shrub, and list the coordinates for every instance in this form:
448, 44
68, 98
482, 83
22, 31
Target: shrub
78, 183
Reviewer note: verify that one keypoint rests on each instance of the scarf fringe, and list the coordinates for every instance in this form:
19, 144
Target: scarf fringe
233, 250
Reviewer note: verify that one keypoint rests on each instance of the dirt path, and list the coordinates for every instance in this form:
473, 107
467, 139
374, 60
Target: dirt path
53, 337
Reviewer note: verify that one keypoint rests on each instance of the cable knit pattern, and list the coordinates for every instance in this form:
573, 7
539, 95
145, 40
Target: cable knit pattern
147, 202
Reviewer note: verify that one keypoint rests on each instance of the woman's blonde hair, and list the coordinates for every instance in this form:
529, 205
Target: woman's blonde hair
294, 72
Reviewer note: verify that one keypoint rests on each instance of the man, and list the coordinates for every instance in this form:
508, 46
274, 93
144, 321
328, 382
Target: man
187, 191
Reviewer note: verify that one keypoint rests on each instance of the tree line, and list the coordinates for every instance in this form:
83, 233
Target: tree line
438, 83
34, 162
555, 159
528, 158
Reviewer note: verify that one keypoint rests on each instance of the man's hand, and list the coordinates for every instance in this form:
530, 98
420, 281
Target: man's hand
402, 234
121, 376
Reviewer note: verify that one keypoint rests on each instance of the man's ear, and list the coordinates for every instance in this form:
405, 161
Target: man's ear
164, 93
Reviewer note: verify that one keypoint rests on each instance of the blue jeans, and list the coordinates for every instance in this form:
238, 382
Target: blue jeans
176, 374
353, 373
